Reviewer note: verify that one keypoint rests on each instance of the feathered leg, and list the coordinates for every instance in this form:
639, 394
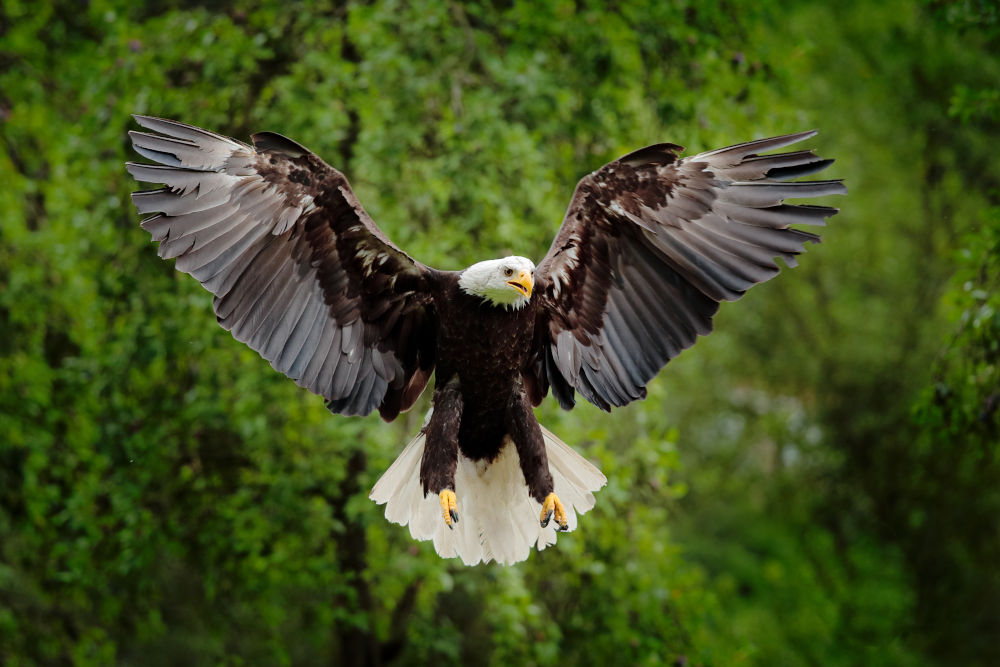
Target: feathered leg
437, 466
527, 436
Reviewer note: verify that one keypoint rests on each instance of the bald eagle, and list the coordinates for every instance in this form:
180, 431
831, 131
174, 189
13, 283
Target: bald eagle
649, 247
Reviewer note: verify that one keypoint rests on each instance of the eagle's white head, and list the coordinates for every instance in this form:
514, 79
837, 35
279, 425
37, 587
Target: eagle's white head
503, 282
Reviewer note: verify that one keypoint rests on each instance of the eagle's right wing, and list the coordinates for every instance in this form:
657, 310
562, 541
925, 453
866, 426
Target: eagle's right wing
650, 245
299, 271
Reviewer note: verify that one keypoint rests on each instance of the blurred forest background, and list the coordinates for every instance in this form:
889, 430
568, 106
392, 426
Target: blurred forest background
817, 483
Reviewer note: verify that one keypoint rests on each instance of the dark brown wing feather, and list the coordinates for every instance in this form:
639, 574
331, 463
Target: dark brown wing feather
650, 245
299, 271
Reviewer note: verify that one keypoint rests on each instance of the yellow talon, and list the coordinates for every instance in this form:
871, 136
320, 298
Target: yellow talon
449, 507
553, 506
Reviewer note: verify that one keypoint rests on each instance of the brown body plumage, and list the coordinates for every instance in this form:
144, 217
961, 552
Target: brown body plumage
483, 353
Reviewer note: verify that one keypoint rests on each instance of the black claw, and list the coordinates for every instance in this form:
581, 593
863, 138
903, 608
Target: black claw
451, 527
454, 516
563, 528
545, 521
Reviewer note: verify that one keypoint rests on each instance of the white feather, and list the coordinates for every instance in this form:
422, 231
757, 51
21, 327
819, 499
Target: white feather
498, 520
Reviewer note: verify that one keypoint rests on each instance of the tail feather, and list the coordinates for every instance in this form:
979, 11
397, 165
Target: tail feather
394, 483
498, 520
576, 476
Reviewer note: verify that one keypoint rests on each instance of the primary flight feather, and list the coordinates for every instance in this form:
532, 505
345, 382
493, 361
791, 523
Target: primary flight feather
649, 247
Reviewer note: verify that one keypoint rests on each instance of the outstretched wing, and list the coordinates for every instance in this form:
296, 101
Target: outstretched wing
650, 245
299, 271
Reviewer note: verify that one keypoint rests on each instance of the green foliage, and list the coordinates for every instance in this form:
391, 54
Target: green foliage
954, 495
815, 483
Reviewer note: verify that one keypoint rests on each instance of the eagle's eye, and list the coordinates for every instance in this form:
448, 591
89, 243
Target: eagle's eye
507, 271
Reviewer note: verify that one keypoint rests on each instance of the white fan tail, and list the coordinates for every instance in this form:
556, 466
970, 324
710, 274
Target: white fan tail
498, 520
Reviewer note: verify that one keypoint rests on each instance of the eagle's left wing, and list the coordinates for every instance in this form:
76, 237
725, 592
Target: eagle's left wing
299, 271
650, 245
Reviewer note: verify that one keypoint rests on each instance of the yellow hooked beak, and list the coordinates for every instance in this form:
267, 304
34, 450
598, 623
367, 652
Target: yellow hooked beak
523, 283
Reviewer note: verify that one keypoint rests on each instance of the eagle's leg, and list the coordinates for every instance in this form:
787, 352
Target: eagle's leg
437, 466
527, 436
